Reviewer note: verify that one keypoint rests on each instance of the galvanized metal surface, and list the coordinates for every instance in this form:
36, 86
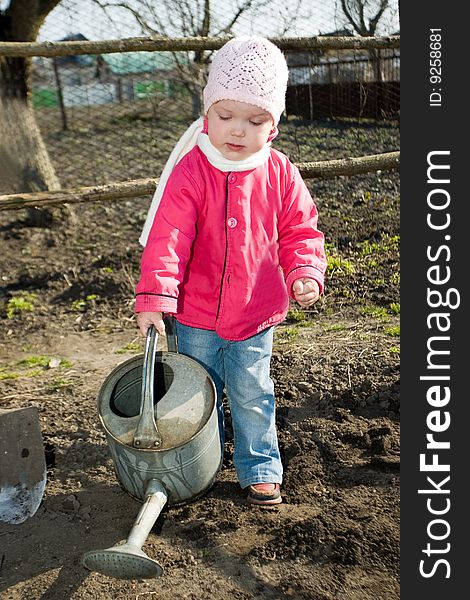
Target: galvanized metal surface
189, 456
127, 560
146, 434
159, 412
23, 474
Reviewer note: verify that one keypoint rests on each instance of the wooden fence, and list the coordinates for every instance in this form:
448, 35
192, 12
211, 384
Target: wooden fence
126, 189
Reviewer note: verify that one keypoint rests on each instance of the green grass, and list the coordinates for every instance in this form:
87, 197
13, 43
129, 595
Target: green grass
78, 305
393, 331
377, 312
58, 384
295, 314
288, 334
81, 304
32, 366
381, 312
339, 266
10, 375
34, 361
131, 347
298, 316
17, 375
388, 243
334, 327
42, 361
19, 304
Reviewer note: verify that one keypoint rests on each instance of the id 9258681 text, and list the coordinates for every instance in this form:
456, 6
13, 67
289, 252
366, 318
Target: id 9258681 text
435, 67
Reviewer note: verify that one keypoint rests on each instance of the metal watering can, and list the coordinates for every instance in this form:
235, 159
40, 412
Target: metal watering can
159, 413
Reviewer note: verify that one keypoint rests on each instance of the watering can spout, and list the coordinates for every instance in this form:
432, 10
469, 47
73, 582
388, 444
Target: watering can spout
127, 560
147, 434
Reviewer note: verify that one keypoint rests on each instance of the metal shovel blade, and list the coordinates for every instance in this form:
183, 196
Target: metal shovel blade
23, 472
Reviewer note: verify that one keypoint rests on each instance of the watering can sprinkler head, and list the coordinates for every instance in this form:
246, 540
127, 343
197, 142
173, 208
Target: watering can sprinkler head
122, 562
127, 560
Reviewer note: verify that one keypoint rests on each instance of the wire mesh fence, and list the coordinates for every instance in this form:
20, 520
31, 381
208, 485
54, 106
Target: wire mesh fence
110, 117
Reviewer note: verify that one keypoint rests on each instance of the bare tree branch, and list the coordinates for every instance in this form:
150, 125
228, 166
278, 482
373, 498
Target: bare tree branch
206, 21
289, 17
160, 43
355, 13
135, 13
375, 20
348, 15
241, 9
361, 14
45, 7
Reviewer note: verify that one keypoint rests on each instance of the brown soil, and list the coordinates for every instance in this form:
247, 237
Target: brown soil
336, 371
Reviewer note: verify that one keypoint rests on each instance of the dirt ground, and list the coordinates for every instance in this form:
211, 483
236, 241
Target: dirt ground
66, 320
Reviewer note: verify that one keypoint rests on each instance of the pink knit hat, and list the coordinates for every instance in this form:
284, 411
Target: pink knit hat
248, 69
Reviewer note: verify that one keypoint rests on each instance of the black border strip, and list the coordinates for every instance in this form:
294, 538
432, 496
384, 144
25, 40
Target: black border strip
435, 317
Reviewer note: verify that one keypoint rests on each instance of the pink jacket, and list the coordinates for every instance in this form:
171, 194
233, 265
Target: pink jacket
225, 248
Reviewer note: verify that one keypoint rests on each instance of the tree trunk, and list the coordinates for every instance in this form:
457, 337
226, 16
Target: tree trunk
24, 157
24, 162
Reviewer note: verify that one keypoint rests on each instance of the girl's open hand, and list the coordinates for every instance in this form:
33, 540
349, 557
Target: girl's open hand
306, 291
145, 319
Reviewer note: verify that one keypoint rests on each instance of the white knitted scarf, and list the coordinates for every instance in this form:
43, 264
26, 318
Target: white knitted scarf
191, 137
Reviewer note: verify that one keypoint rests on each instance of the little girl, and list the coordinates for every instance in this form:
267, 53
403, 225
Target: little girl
232, 234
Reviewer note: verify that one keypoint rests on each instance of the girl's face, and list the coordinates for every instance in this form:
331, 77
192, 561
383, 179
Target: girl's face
238, 129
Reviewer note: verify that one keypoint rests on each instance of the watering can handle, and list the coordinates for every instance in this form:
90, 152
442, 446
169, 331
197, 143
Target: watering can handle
147, 434
170, 332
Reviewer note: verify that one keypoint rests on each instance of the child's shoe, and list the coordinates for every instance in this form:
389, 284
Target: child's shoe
264, 494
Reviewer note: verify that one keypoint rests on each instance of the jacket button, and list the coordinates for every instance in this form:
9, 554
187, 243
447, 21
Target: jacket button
232, 178
232, 222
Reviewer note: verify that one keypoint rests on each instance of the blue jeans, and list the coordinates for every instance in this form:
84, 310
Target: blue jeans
242, 368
